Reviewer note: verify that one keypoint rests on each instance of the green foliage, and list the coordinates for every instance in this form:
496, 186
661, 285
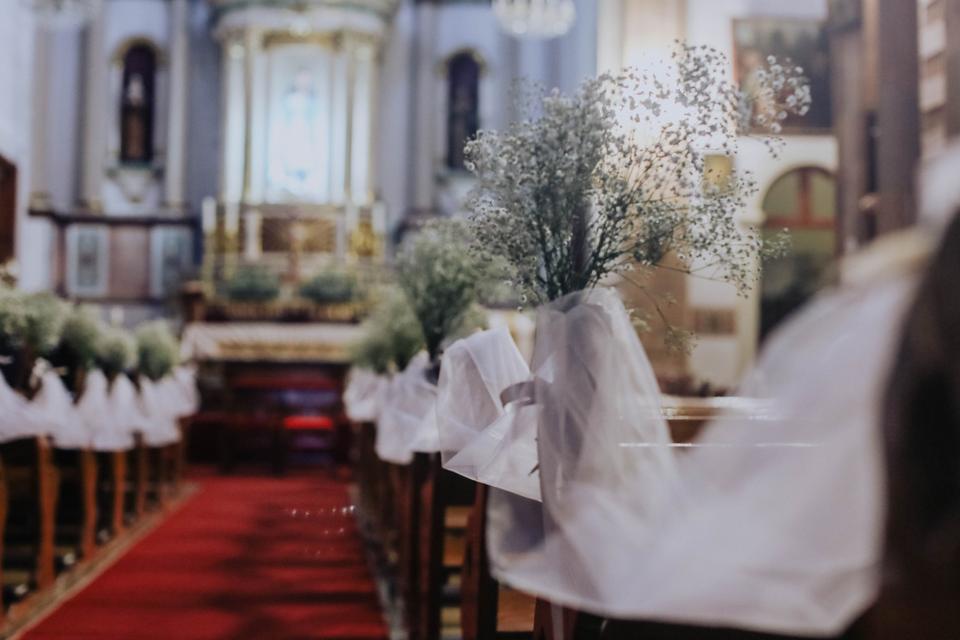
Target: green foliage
441, 277
330, 287
253, 283
116, 351
80, 338
157, 349
392, 335
30, 327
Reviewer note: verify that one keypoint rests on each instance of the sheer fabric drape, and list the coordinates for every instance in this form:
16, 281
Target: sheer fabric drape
407, 423
769, 524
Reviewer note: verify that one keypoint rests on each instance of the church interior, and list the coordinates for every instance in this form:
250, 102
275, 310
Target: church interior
480, 319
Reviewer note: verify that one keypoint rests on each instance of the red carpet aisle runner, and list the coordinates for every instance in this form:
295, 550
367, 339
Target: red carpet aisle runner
245, 558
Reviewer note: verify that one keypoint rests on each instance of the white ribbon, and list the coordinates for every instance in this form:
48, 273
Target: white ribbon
364, 395
161, 417
62, 420
18, 419
94, 408
406, 424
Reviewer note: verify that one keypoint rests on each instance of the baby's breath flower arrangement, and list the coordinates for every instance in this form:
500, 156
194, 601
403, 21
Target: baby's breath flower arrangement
76, 352
615, 177
391, 336
157, 349
30, 326
80, 335
441, 278
116, 352
12, 320
44, 317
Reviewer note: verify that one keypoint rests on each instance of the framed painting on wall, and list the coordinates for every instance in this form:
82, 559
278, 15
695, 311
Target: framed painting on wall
88, 259
798, 41
171, 259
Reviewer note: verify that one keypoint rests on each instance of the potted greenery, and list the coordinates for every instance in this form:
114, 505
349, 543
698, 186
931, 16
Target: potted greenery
253, 283
330, 287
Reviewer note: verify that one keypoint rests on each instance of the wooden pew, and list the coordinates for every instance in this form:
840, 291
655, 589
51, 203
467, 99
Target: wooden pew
111, 493
32, 483
3, 525
408, 481
77, 502
444, 499
137, 482
489, 610
484, 599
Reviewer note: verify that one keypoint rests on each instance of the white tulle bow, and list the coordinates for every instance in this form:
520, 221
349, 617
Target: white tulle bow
771, 525
364, 395
404, 427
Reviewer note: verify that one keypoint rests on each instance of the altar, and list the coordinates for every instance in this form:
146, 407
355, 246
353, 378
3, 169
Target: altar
269, 390
298, 189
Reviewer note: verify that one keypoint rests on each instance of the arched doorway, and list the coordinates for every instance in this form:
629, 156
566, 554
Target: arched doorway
8, 208
802, 201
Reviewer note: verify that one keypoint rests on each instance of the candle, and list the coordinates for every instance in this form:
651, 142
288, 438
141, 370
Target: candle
379, 215
231, 219
208, 210
252, 247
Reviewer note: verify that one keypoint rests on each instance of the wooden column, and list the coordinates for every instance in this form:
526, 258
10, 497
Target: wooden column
952, 53
848, 79
898, 113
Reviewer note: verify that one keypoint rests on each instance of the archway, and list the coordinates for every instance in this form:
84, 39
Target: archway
802, 201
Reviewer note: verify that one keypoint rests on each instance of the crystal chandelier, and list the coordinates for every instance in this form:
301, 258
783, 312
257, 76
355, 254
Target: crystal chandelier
535, 18
62, 13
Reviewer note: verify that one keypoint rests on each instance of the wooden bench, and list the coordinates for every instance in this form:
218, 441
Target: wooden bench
76, 527
488, 609
32, 482
445, 500
484, 599
111, 493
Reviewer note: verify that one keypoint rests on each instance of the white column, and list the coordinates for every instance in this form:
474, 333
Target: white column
427, 119
249, 46
351, 53
373, 173
260, 93
39, 179
95, 113
233, 110
175, 171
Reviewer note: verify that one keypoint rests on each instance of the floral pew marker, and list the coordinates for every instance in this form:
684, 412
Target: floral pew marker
31, 325
74, 356
576, 195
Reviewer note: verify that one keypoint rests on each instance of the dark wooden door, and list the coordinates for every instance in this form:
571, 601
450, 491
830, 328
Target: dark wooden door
8, 208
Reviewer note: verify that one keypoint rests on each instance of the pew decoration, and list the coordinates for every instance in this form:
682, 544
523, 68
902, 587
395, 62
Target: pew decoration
485, 414
773, 523
90, 434
392, 337
441, 279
